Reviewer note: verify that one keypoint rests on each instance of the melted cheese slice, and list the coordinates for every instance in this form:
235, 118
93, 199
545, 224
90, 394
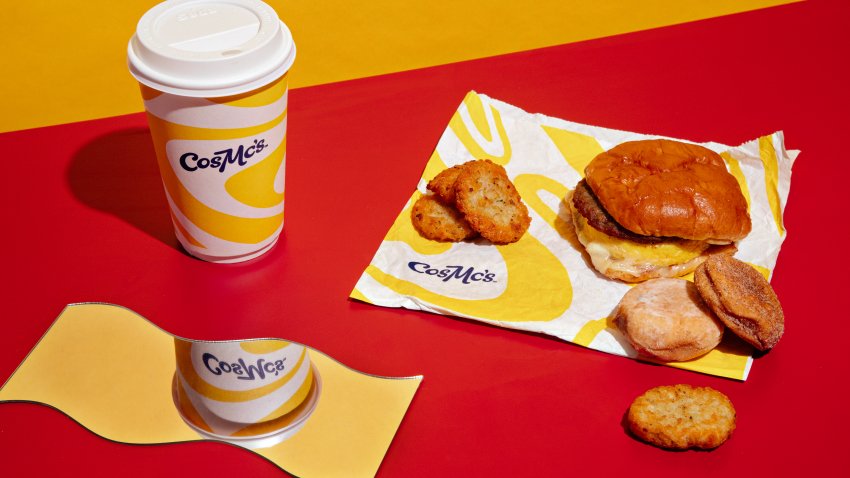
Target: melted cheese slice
632, 261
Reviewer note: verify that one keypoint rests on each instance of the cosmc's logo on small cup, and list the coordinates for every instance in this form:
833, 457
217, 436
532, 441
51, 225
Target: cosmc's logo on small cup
220, 159
242, 370
463, 274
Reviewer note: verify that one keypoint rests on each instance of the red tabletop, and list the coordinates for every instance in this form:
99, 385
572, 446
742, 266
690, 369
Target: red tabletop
86, 220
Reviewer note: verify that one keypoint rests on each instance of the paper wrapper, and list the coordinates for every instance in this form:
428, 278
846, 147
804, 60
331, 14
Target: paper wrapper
544, 282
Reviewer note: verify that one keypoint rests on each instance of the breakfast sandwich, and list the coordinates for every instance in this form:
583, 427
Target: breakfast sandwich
657, 208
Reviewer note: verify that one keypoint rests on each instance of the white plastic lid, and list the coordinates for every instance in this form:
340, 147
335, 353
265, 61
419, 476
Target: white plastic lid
205, 48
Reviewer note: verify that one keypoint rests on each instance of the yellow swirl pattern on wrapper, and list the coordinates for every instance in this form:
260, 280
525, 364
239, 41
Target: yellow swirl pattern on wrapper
434, 166
764, 271
255, 190
591, 329
576, 148
484, 125
544, 282
735, 170
771, 178
529, 186
526, 261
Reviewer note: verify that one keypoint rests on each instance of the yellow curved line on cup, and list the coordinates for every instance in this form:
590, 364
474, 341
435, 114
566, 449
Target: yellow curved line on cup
528, 262
771, 179
179, 131
262, 96
576, 148
735, 170
185, 232
254, 185
591, 329
280, 422
214, 222
475, 107
184, 363
296, 399
260, 347
189, 411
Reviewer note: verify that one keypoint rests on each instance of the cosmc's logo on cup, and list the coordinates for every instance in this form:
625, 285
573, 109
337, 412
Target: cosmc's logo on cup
447, 273
242, 382
220, 159
242, 370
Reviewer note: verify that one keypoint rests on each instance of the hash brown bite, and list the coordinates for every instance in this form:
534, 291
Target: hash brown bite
443, 184
681, 416
439, 221
490, 202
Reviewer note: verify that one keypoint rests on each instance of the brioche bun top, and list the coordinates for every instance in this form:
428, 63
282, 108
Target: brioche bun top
666, 188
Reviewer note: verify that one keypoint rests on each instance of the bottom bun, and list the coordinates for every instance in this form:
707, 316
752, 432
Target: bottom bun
630, 261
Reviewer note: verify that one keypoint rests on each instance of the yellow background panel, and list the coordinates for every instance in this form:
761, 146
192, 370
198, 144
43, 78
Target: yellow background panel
65, 61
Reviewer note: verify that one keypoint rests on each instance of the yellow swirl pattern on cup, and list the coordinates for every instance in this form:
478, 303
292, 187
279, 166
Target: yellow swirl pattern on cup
262, 346
196, 417
208, 219
188, 409
262, 96
254, 186
186, 235
184, 363
258, 400
230, 211
281, 421
484, 125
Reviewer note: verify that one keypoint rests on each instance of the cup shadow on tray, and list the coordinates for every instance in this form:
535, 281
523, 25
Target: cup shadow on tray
117, 173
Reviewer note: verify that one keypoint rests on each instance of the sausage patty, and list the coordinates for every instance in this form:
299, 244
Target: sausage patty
598, 218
